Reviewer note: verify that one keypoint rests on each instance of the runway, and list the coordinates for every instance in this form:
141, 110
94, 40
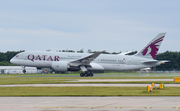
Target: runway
87, 85
117, 80
89, 103
97, 84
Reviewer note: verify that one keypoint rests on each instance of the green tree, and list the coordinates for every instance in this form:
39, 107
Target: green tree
81, 51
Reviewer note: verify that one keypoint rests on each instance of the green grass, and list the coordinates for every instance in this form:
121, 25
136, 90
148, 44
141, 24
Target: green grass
87, 91
5, 75
82, 91
134, 82
30, 80
61, 80
57, 79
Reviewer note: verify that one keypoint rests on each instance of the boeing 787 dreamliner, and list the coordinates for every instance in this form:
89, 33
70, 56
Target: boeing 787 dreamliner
87, 62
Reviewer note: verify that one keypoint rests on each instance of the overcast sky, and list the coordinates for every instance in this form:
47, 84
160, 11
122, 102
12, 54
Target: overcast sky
111, 25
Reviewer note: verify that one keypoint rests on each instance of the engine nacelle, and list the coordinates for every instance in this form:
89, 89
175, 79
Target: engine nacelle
61, 66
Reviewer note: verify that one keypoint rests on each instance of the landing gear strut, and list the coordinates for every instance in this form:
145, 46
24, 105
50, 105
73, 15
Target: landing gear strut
91, 74
85, 73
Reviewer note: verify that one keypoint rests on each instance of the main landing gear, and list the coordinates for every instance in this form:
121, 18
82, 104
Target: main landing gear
86, 74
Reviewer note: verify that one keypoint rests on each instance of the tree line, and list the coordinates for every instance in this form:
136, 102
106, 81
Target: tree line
6, 56
174, 58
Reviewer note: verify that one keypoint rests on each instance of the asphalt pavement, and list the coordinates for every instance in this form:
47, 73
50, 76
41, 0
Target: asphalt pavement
89, 103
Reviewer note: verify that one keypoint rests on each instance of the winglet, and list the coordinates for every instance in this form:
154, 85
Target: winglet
151, 49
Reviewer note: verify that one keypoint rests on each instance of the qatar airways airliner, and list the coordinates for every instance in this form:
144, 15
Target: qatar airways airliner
86, 62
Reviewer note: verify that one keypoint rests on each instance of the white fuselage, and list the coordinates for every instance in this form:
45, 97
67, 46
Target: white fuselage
107, 62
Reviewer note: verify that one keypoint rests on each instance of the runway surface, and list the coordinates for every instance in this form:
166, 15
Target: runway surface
98, 84
89, 103
85, 85
103, 75
117, 80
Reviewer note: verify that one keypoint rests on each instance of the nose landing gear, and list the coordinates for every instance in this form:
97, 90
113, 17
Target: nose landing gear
24, 70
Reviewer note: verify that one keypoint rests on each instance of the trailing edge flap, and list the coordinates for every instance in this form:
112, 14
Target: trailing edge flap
86, 60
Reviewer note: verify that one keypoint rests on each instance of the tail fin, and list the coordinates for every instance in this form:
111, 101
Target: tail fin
151, 49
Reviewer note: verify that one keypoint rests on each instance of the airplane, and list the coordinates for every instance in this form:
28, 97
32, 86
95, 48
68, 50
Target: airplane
86, 62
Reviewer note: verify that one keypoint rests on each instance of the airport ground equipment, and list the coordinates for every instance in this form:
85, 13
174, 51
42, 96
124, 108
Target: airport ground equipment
149, 88
176, 79
161, 86
153, 85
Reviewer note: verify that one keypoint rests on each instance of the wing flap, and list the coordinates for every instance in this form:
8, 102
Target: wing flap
86, 60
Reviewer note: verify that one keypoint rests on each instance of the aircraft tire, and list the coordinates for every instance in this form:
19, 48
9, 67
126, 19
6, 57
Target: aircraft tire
24, 71
82, 74
91, 74
87, 74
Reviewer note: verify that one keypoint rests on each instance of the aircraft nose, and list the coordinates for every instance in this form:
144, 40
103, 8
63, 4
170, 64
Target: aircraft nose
13, 61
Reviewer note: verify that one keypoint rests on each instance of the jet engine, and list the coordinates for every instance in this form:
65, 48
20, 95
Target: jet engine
61, 66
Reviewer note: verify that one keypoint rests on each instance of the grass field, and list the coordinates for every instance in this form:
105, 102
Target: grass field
63, 80
60, 79
84, 91
109, 74
87, 91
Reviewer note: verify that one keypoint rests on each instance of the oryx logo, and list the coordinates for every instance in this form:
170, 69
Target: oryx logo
152, 49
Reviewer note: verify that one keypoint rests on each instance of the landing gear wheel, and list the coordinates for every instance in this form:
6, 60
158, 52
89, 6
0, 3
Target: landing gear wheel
91, 74
24, 71
87, 74
82, 74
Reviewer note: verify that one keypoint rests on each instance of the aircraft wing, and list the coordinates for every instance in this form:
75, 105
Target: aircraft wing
86, 60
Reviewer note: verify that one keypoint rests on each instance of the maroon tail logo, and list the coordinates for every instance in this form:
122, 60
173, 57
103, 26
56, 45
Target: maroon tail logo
152, 48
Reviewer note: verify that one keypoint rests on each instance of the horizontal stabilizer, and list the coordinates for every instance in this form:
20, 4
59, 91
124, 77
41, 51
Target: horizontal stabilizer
164, 61
155, 61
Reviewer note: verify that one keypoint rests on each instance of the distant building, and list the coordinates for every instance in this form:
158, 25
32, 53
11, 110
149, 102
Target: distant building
17, 70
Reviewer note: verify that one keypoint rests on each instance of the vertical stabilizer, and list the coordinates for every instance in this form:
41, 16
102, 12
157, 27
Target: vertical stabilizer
151, 49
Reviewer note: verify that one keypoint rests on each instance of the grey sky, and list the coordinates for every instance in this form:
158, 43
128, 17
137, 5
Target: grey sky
111, 25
